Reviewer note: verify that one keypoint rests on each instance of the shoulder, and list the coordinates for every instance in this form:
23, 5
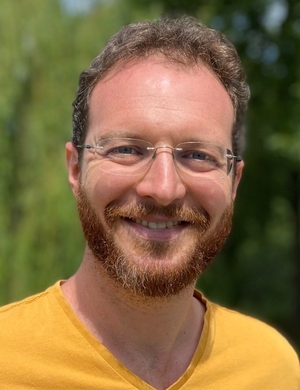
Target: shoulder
249, 340
29, 311
235, 324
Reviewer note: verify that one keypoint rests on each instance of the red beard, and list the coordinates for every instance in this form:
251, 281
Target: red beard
152, 279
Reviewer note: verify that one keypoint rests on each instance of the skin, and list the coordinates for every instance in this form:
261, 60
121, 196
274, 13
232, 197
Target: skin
165, 105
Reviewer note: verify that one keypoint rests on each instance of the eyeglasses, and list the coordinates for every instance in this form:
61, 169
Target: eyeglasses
130, 157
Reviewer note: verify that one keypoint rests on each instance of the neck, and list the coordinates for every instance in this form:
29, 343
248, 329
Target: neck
141, 332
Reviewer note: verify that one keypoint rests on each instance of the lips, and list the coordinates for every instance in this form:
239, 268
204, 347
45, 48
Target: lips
156, 225
153, 217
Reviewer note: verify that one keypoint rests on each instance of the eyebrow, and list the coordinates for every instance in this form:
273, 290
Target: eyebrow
117, 134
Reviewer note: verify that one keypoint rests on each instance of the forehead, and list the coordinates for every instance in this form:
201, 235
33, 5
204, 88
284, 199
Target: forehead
156, 94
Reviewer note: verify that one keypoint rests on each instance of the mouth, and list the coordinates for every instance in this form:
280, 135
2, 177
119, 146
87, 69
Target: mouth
157, 225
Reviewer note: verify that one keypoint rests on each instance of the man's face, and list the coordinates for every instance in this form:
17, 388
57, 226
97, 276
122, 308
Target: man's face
156, 232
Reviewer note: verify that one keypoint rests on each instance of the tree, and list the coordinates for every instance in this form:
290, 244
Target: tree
42, 54
259, 271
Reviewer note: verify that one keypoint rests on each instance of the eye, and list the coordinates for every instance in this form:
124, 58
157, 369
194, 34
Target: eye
198, 155
124, 153
124, 150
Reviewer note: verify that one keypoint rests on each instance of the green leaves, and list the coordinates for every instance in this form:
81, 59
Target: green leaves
43, 50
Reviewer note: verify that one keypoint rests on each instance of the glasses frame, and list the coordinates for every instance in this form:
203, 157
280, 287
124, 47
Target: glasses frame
229, 154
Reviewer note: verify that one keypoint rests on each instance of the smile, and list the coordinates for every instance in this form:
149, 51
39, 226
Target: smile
156, 225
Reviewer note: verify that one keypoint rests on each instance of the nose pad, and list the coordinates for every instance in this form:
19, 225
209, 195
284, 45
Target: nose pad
161, 181
158, 150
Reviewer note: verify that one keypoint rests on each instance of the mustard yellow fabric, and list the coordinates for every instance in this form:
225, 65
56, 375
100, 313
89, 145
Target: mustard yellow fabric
44, 346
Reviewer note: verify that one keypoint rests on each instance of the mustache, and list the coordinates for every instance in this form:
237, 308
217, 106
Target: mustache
142, 210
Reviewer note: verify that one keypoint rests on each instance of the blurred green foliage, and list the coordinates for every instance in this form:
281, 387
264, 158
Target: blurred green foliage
44, 48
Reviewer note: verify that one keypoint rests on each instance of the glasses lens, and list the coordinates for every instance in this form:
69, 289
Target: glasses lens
204, 160
130, 157
124, 156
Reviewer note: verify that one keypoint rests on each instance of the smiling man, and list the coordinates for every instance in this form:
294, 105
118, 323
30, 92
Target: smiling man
154, 165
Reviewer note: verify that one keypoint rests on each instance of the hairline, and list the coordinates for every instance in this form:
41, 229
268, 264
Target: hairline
117, 67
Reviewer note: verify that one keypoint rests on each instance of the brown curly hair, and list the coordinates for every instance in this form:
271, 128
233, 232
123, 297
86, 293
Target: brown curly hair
184, 41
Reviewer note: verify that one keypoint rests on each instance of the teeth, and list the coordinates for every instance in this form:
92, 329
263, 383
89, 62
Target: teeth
156, 225
171, 224
162, 225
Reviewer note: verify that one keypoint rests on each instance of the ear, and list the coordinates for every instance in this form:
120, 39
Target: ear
73, 167
237, 178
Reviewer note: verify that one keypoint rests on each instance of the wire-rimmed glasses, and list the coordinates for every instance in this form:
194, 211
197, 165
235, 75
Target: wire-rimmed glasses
131, 157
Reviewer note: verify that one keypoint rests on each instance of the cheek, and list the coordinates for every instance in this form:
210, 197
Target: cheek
214, 196
106, 188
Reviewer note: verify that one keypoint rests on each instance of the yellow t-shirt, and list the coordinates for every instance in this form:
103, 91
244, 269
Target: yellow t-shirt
45, 346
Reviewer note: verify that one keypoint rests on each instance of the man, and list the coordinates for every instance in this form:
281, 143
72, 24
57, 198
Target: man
154, 166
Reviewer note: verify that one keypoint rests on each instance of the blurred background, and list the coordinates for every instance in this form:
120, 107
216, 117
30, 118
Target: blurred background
44, 45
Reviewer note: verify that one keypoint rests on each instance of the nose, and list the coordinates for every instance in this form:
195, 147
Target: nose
162, 182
